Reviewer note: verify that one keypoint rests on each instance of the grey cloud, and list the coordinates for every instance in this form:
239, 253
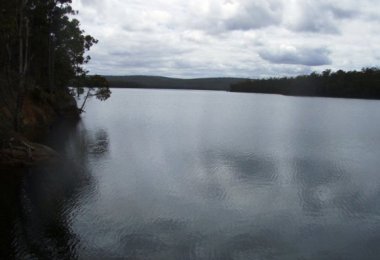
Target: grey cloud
236, 15
316, 26
146, 52
312, 17
253, 15
342, 13
201, 38
91, 2
280, 70
321, 16
300, 56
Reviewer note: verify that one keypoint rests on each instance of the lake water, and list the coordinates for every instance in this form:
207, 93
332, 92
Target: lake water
163, 174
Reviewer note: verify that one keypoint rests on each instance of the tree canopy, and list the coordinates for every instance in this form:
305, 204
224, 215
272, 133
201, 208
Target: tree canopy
42, 46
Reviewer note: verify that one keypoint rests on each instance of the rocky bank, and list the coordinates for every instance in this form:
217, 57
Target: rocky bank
38, 112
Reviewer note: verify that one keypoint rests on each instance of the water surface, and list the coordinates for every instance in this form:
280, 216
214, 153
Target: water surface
159, 174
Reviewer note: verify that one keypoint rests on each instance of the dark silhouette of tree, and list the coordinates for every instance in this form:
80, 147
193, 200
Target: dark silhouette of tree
96, 86
42, 47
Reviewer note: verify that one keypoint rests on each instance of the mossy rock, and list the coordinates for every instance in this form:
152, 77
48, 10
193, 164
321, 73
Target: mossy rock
24, 153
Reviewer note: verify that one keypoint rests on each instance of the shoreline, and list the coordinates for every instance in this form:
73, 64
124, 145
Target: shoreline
24, 148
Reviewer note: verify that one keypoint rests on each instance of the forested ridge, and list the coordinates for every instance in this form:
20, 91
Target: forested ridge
350, 84
171, 83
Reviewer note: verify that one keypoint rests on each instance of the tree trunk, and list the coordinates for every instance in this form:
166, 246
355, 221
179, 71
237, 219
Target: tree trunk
21, 42
26, 58
50, 54
49, 62
22, 64
85, 100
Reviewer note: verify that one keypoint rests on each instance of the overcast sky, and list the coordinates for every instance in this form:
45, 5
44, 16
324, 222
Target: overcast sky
239, 38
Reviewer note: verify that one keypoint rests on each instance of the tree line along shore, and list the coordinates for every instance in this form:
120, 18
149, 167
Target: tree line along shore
43, 52
363, 84
351, 84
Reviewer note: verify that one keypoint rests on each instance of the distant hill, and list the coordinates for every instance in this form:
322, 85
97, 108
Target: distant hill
171, 83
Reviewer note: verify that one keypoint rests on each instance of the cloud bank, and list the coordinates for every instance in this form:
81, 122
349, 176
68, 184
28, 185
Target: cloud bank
298, 56
242, 38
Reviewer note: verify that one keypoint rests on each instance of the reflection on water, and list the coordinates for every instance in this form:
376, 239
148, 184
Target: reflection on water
203, 175
38, 203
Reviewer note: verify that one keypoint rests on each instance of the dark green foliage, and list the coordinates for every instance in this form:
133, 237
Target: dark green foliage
351, 84
42, 43
38, 95
58, 44
42, 51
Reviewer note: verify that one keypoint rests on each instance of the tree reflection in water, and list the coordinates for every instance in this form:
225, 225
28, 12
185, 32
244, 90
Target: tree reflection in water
38, 205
